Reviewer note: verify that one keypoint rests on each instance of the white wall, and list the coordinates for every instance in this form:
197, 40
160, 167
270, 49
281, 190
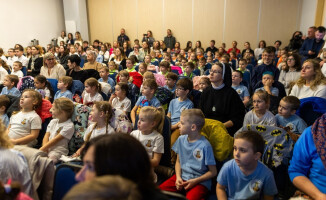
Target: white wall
24, 20
308, 14
76, 11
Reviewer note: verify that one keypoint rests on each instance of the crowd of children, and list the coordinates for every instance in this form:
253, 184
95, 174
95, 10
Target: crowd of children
236, 88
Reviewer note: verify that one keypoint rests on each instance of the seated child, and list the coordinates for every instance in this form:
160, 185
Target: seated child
100, 117
16, 69
245, 177
43, 86
133, 91
209, 60
4, 104
204, 82
195, 165
181, 103
113, 68
188, 70
59, 130
164, 68
92, 91
10, 83
64, 83
104, 74
183, 64
119, 99
149, 133
286, 116
193, 58
142, 68
202, 65
130, 64
268, 80
148, 99
171, 79
240, 89
25, 125
260, 113
150, 66
243, 68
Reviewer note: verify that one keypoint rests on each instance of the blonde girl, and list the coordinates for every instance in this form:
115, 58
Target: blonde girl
119, 98
142, 68
260, 113
25, 126
149, 133
59, 130
92, 91
113, 67
100, 115
78, 38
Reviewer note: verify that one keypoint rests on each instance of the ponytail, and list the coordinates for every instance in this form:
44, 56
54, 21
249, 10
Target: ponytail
155, 114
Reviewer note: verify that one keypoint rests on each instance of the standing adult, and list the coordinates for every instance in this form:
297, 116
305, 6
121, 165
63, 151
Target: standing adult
234, 48
62, 38
50, 68
169, 40
123, 37
247, 47
311, 47
211, 47
149, 38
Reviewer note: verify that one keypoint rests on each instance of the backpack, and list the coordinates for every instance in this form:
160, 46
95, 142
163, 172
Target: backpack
25, 83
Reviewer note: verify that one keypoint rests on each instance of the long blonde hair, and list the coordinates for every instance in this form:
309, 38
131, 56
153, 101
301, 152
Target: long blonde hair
4, 138
319, 78
154, 114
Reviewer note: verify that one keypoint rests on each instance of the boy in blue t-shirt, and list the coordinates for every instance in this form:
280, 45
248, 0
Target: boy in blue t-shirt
188, 70
268, 80
240, 89
195, 164
245, 177
171, 79
104, 74
10, 82
63, 84
148, 90
286, 116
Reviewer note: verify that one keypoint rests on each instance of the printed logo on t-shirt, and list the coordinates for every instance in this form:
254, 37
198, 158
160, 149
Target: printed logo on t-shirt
23, 122
198, 154
182, 109
122, 105
149, 143
291, 126
238, 91
255, 186
59, 130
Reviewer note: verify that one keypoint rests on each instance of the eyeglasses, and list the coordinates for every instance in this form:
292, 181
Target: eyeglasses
215, 72
50, 59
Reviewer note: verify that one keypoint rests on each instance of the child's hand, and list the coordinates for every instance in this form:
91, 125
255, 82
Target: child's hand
179, 184
43, 149
189, 184
113, 96
13, 141
268, 83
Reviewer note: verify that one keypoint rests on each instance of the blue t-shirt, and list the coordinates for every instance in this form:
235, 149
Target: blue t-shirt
172, 90
176, 107
254, 186
13, 91
67, 94
274, 90
5, 119
296, 124
307, 162
110, 81
142, 101
242, 91
194, 158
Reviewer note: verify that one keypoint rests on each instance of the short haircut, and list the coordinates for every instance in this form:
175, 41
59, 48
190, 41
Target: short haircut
165, 64
263, 95
149, 75
19, 64
105, 68
279, 41
205, 79
172, 76
124, 87
321, 29
213, 41
74, 59
151, 83
191, 65
243, 60
13, 78
65, 105
96, 41
202, 59
226, 57
66, 80
4, 101
268, 73
269, 49
20, 48
239, 72
195, 116
293, 101
257, 141
185, 83
124, 73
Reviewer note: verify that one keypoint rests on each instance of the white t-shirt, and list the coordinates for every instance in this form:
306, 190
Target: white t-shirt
124, 105
88, 99
18, 73
153, 142
3, 73
305, 91
105, 87
97, 132
24, 60
66, 129
323, 69
267, 119
22, 124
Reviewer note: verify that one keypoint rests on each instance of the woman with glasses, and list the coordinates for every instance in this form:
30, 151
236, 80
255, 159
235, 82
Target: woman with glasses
220, 101
291, 73
51, 68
